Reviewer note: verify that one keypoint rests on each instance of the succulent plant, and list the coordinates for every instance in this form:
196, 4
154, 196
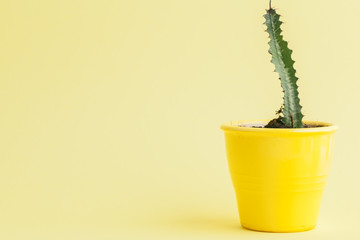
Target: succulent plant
290, 115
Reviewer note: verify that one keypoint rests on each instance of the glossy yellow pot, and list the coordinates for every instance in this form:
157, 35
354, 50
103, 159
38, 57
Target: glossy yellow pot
278, 175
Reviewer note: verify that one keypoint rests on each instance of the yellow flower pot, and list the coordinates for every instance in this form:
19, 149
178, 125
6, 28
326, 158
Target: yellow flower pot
279, 175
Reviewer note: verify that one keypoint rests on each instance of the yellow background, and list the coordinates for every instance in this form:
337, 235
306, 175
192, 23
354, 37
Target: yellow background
110, 113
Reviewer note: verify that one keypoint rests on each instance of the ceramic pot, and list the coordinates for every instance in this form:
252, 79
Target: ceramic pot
279, 175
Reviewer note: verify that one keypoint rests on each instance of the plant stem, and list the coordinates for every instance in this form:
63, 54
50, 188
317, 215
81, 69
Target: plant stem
284, 65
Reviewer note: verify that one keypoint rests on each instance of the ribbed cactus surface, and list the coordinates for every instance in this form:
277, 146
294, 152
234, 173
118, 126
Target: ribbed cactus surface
284, 65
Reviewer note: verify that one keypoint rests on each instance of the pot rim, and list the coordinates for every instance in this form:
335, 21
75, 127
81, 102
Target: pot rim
235, 126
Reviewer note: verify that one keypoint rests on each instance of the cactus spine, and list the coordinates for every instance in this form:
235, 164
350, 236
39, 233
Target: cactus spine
281, 58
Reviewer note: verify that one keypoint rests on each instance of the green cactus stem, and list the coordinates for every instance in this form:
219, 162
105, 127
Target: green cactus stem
284, 65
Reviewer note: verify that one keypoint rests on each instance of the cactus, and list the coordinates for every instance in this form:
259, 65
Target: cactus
281, 58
